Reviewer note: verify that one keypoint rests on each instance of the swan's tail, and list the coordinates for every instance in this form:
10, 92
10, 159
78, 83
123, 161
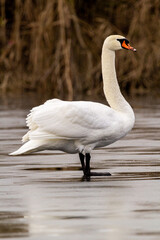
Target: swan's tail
28, 147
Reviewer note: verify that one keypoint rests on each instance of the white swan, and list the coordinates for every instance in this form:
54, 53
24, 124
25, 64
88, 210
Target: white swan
81, 126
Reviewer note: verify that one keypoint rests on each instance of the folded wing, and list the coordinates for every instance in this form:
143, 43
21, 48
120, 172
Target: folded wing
68, 120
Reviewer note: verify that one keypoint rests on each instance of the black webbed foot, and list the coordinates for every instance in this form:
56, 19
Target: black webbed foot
100, 174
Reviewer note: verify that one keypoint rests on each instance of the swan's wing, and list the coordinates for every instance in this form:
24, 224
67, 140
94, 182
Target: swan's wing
72, 120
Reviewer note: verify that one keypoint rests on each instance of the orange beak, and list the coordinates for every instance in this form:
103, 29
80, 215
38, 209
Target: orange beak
128, 47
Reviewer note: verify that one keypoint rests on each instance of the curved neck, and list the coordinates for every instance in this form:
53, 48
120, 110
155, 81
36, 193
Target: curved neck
110, 84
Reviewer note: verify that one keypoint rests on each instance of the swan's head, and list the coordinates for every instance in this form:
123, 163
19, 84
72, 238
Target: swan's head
117, 42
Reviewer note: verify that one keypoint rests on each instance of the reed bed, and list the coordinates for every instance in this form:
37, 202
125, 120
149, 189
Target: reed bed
53, 47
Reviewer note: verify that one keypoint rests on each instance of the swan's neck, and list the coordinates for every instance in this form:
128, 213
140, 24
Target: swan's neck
110, 84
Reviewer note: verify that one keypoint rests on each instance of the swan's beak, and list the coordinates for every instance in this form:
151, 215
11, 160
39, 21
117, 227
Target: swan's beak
128, 47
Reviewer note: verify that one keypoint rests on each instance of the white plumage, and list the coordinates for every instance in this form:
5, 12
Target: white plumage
80, 126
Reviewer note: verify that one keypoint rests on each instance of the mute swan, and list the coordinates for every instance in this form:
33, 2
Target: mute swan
81, 126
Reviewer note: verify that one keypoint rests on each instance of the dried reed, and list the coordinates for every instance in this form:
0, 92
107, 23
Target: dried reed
54, 46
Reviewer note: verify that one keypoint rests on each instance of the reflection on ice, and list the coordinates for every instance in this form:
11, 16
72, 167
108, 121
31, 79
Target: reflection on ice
42, 196
13, 224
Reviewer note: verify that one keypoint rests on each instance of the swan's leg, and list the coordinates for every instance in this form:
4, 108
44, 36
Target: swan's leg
81, 156
87, 170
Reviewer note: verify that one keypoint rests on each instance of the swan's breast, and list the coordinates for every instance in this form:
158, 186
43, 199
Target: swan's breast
118, 128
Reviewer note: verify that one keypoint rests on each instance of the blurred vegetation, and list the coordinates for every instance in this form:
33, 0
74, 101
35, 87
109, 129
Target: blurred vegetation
53, 47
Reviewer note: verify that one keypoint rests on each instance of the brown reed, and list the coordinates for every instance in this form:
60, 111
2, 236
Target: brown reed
54, 46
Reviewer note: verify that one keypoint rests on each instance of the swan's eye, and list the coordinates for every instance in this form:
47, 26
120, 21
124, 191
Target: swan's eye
123, 40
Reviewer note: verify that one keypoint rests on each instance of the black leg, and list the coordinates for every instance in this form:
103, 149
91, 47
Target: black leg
87, 170
81, 156
86, 167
